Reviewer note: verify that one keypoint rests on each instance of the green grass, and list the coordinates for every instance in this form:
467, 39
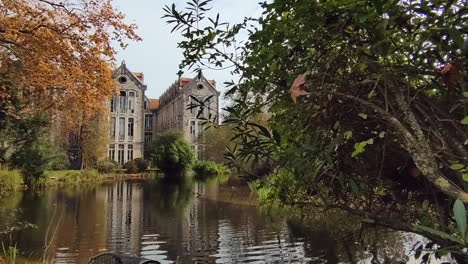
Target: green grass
70, 177
10, 181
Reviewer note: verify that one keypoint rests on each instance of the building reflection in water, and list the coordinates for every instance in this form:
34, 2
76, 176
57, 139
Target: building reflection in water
165, 222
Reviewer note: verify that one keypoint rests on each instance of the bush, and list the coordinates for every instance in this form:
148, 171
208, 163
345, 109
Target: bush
209, 168
171, 153
33, 161
137, 165
59, 159
107, 166
10, 181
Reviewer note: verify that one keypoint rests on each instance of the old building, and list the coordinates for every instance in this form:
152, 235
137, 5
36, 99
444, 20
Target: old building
127, 116
135, 120
177, 112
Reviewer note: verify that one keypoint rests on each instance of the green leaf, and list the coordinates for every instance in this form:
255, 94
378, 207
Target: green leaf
425, 205
465, 94
465, 120
382, 134
457, 166
348, 134
361, 146
439, 233
362, 115
459, 213
465, 177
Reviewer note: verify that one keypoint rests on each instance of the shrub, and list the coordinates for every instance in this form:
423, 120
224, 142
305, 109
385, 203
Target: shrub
10, 181
209, 168
33, 161
137, 165
107, 166
90, 176
171, 153
59, 159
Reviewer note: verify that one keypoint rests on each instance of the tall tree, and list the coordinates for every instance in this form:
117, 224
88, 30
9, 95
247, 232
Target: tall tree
59, 50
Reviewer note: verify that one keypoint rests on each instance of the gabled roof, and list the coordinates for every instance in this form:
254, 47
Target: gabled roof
123, 70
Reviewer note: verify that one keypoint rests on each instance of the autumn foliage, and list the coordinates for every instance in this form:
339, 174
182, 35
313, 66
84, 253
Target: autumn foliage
58, 52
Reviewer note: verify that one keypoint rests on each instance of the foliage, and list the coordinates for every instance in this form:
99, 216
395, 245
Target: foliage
107, 166
206, 169
33, 161
10, 181
366, 102
215, 140
171, 153
64, 56
59, 159
70, 177
137, 165
459, 239
10, 253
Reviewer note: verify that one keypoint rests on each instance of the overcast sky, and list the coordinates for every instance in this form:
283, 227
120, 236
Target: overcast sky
157, 55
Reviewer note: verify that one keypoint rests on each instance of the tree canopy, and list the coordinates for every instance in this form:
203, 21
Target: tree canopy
172, 154
367, 102
57, 54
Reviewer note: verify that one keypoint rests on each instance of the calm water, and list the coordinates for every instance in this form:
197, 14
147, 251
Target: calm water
188, 222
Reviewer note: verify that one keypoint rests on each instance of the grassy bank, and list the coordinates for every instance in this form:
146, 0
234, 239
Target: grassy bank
70, 177
12, 180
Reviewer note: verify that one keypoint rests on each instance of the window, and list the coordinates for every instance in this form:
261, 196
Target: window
145, 104
130, 152
123, 101
122, 79
130, 128
192, 129
148, 138
148, 122
193, 107
120, 154
121, 128
131, 102
112, 152
112, 105
112, 130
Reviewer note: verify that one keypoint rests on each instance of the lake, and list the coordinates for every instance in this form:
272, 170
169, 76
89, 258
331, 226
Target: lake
188, 222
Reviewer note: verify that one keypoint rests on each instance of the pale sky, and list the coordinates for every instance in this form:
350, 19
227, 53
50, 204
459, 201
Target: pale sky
157, 55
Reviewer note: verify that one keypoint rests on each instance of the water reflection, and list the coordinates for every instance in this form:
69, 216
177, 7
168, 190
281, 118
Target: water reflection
187, 222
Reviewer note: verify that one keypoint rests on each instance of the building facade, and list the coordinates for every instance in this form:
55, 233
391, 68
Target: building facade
135, 120
180, 108
126, 116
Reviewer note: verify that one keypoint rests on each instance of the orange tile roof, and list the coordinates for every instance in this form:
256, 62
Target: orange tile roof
139, 75
154, 104
185, 80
